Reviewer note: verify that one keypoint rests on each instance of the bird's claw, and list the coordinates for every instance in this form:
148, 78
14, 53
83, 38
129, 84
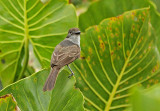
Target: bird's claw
70, 75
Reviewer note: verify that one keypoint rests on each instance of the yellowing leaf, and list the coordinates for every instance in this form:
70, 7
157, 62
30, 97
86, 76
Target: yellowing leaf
124, 54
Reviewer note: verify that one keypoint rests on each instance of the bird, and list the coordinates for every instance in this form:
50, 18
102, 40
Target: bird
64, 53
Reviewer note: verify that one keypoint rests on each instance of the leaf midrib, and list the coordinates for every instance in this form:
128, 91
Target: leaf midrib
26, 41
116, 85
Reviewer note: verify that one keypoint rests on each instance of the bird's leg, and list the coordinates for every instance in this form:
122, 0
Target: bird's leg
71, 72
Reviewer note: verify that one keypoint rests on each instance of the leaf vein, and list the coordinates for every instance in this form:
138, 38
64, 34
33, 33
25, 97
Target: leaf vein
33, 6
124, 53
11, 23
16, 9
135, 74
114, 69
138, 82
106, 74
45, 16
9, 52
68, 101
94, 91
120, 97
11, 13
27, 99
52, 22
12, 32
136, 63
99, 82
93, 104
9, 65
20, 5
41, 36
120, 106
138, 51
37, 12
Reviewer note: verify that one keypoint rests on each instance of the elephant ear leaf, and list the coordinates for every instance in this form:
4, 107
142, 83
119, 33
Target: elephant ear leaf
8, 103
24, 22
29, 93
117, 55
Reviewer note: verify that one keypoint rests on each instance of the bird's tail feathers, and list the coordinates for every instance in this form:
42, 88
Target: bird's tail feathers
51, 80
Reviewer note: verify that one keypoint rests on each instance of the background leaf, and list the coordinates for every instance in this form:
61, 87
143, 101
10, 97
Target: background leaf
31, 21
157, 3
110, 8
105, 8
8, 103
29, 95
146, 100
117, 55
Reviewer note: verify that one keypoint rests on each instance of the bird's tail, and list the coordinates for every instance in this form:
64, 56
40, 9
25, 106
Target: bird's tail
49, 85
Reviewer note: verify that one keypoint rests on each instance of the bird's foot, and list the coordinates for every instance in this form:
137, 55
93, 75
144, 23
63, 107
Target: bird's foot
70, 75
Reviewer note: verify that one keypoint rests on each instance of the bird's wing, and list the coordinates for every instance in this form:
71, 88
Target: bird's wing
65, 55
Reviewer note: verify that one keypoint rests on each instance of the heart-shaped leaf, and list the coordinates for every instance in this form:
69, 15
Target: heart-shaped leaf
29, 93
31, 21
117, 55
8, 103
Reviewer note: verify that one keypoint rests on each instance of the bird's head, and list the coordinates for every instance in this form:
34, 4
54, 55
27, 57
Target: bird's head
74, 32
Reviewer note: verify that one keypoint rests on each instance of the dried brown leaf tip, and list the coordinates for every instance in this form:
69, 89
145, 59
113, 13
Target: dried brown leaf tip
11, 96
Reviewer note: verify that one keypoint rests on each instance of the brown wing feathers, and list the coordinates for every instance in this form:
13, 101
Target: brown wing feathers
60, 55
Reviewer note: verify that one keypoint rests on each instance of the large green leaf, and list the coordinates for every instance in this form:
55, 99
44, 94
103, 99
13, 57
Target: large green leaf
8, 103
29, 93
109, 8
102, 9
157, 3
24, 21
116, 55
146, 100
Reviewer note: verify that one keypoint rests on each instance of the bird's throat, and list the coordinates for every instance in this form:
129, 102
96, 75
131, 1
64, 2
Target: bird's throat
75, 39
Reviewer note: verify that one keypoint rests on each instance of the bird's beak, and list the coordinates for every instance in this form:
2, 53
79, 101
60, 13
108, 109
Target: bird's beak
78, 32
68, 35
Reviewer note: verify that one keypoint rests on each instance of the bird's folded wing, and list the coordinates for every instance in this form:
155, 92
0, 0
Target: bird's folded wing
65, 55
